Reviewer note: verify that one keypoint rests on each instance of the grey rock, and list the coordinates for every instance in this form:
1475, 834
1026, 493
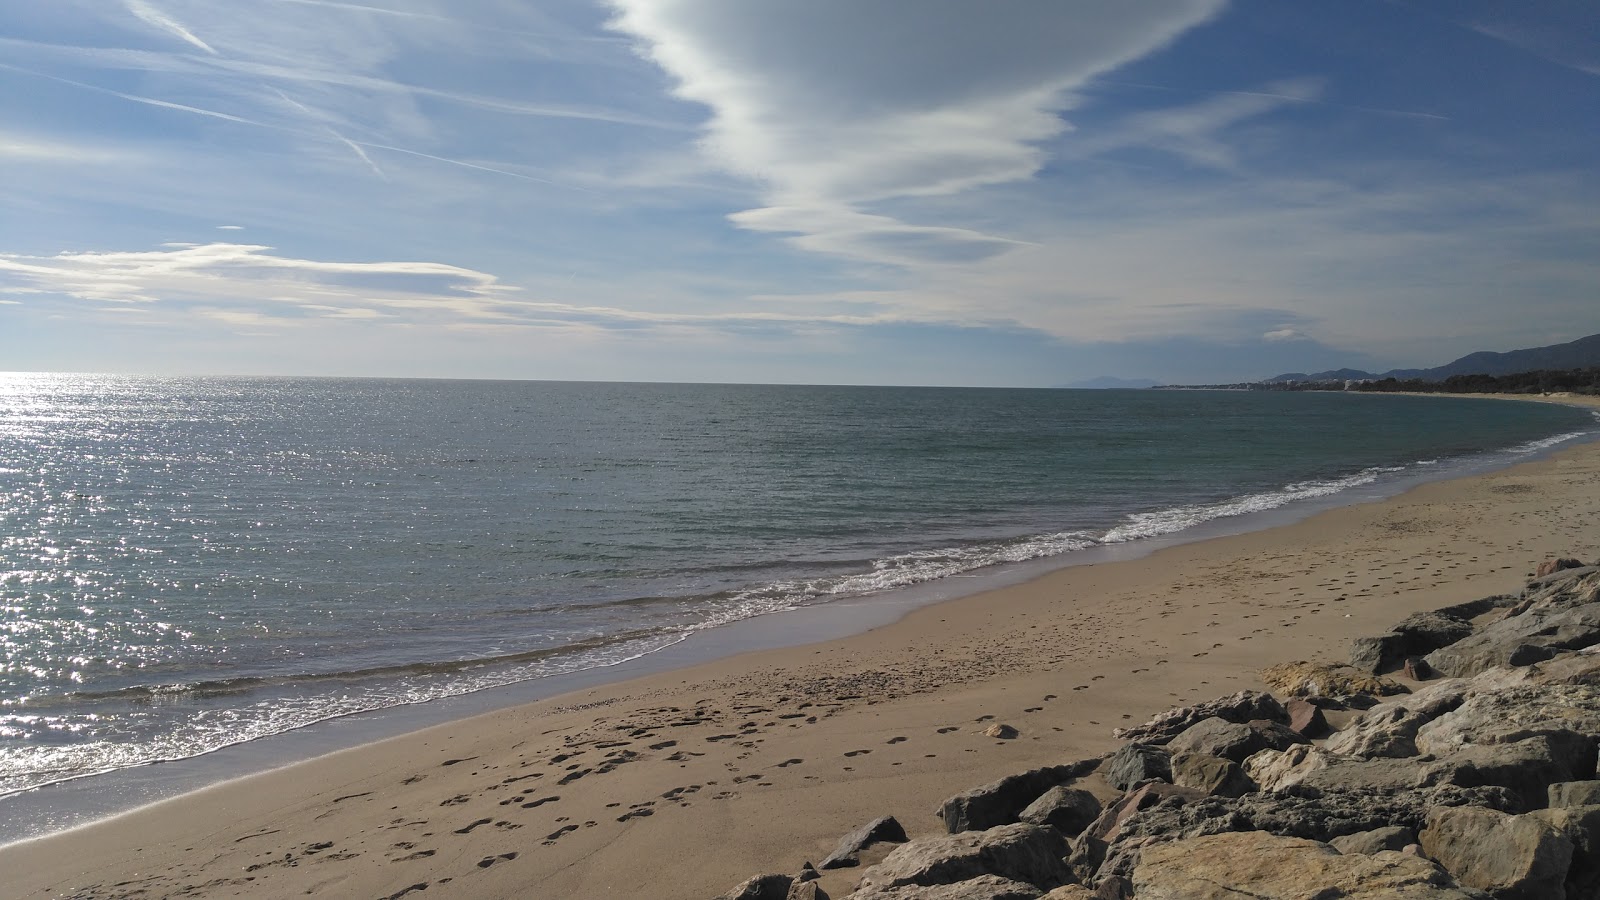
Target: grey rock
1512, 857
1560, 578
1134, 763
1231, 740
1393, 837
1533, 636
1377, 654
1417, 669
1275, 770
1068, 810
1211, 775
1390, 728
761, 887
1526, 768
1001, 802
984, 887
1574, 793
886, 829
808, 872
1020, 852
1425, 632
1267, 867
1241, 707
807, 890
1569, 714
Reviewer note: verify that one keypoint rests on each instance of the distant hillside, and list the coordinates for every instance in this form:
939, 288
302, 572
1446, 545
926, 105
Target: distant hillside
1108, 382
1582, 353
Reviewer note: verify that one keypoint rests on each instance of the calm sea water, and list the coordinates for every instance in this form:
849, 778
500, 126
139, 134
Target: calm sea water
190, 563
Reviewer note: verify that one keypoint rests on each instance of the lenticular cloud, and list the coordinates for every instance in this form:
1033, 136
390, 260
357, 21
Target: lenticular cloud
840, 107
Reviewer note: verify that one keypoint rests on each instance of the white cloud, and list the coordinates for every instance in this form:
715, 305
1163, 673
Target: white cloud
1287, 333
834, 106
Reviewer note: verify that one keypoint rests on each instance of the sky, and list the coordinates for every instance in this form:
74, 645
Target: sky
1005, 192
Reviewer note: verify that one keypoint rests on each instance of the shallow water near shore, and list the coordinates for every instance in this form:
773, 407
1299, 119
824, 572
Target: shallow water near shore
226, 560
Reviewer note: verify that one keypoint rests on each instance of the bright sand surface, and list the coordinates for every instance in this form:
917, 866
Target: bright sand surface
682, 784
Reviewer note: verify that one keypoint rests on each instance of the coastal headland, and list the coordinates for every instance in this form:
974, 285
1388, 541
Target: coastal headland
684, 784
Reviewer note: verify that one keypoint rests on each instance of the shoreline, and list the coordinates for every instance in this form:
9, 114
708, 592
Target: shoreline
1064, 657
82, 799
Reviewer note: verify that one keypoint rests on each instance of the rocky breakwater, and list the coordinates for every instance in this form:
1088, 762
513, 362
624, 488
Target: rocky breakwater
1470, 774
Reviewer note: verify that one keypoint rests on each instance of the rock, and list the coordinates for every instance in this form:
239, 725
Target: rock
997, 730
884, 829
1241, 707
1210, 775
807, 890
1001, 802
1425, 632
1306, 718
1512, 857
1071, 892
1134, 763
984, 887
1581, 825
1535, 635
1527, 768
1089, 853
808, 872
1568, 714
1417, 669
1552, 566
1393, 837
761, 887
1020, 852
1390, 729
1274, 770
1556, 582
1114, 887
1304, 679
1266, 867
1234, 741
1574, 793
1067, 810
1376, 654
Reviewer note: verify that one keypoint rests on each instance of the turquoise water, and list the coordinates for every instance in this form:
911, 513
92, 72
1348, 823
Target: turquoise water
191, 563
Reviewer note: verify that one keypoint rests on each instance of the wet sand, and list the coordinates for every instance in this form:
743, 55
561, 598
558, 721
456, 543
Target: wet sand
682, 784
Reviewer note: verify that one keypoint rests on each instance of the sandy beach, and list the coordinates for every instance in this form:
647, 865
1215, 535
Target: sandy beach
683, 784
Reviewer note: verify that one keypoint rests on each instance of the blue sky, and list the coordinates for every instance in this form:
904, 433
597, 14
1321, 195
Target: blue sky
1018, 192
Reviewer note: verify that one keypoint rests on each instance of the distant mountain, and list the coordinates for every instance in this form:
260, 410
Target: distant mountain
1107, 382
1579, 354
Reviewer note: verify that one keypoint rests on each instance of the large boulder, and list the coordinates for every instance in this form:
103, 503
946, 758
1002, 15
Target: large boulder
1001, 802
1390, 729
762, 887
1536, 634
807, 890
1020, 852
1089, 853
1552, 566
1570, 714
1306, 679
1233, 740
1392, 837
1512, 857
1581, 825
886, 829
1241, 707
1067, 810
984, 887
1132, 764
1262, 866
1274, 770
1211, 775
1574, 793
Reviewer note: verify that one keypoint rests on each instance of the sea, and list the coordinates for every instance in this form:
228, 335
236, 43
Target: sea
188, 564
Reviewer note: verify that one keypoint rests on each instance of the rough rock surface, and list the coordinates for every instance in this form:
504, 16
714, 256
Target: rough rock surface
762, 887
1001, 802
1261, 866
1274, 770
1135, 763
1067, 810
886, 829
1210, 775
1574, 793
1233, 740
1552, 566
1512, 857
1241, 707
1306, 718
1305, 679
984, 887
807, 890
1394, 837
1021, 852
1390, 729
1581, 825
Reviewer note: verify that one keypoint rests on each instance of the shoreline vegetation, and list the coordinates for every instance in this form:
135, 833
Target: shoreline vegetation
686, 783
1542, 383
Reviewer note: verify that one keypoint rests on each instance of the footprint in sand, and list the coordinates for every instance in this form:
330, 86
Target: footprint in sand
949, 729
788, 762
556, 835
420, 854
858, 752
488, 861
895, 740
468, 829
540, 802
